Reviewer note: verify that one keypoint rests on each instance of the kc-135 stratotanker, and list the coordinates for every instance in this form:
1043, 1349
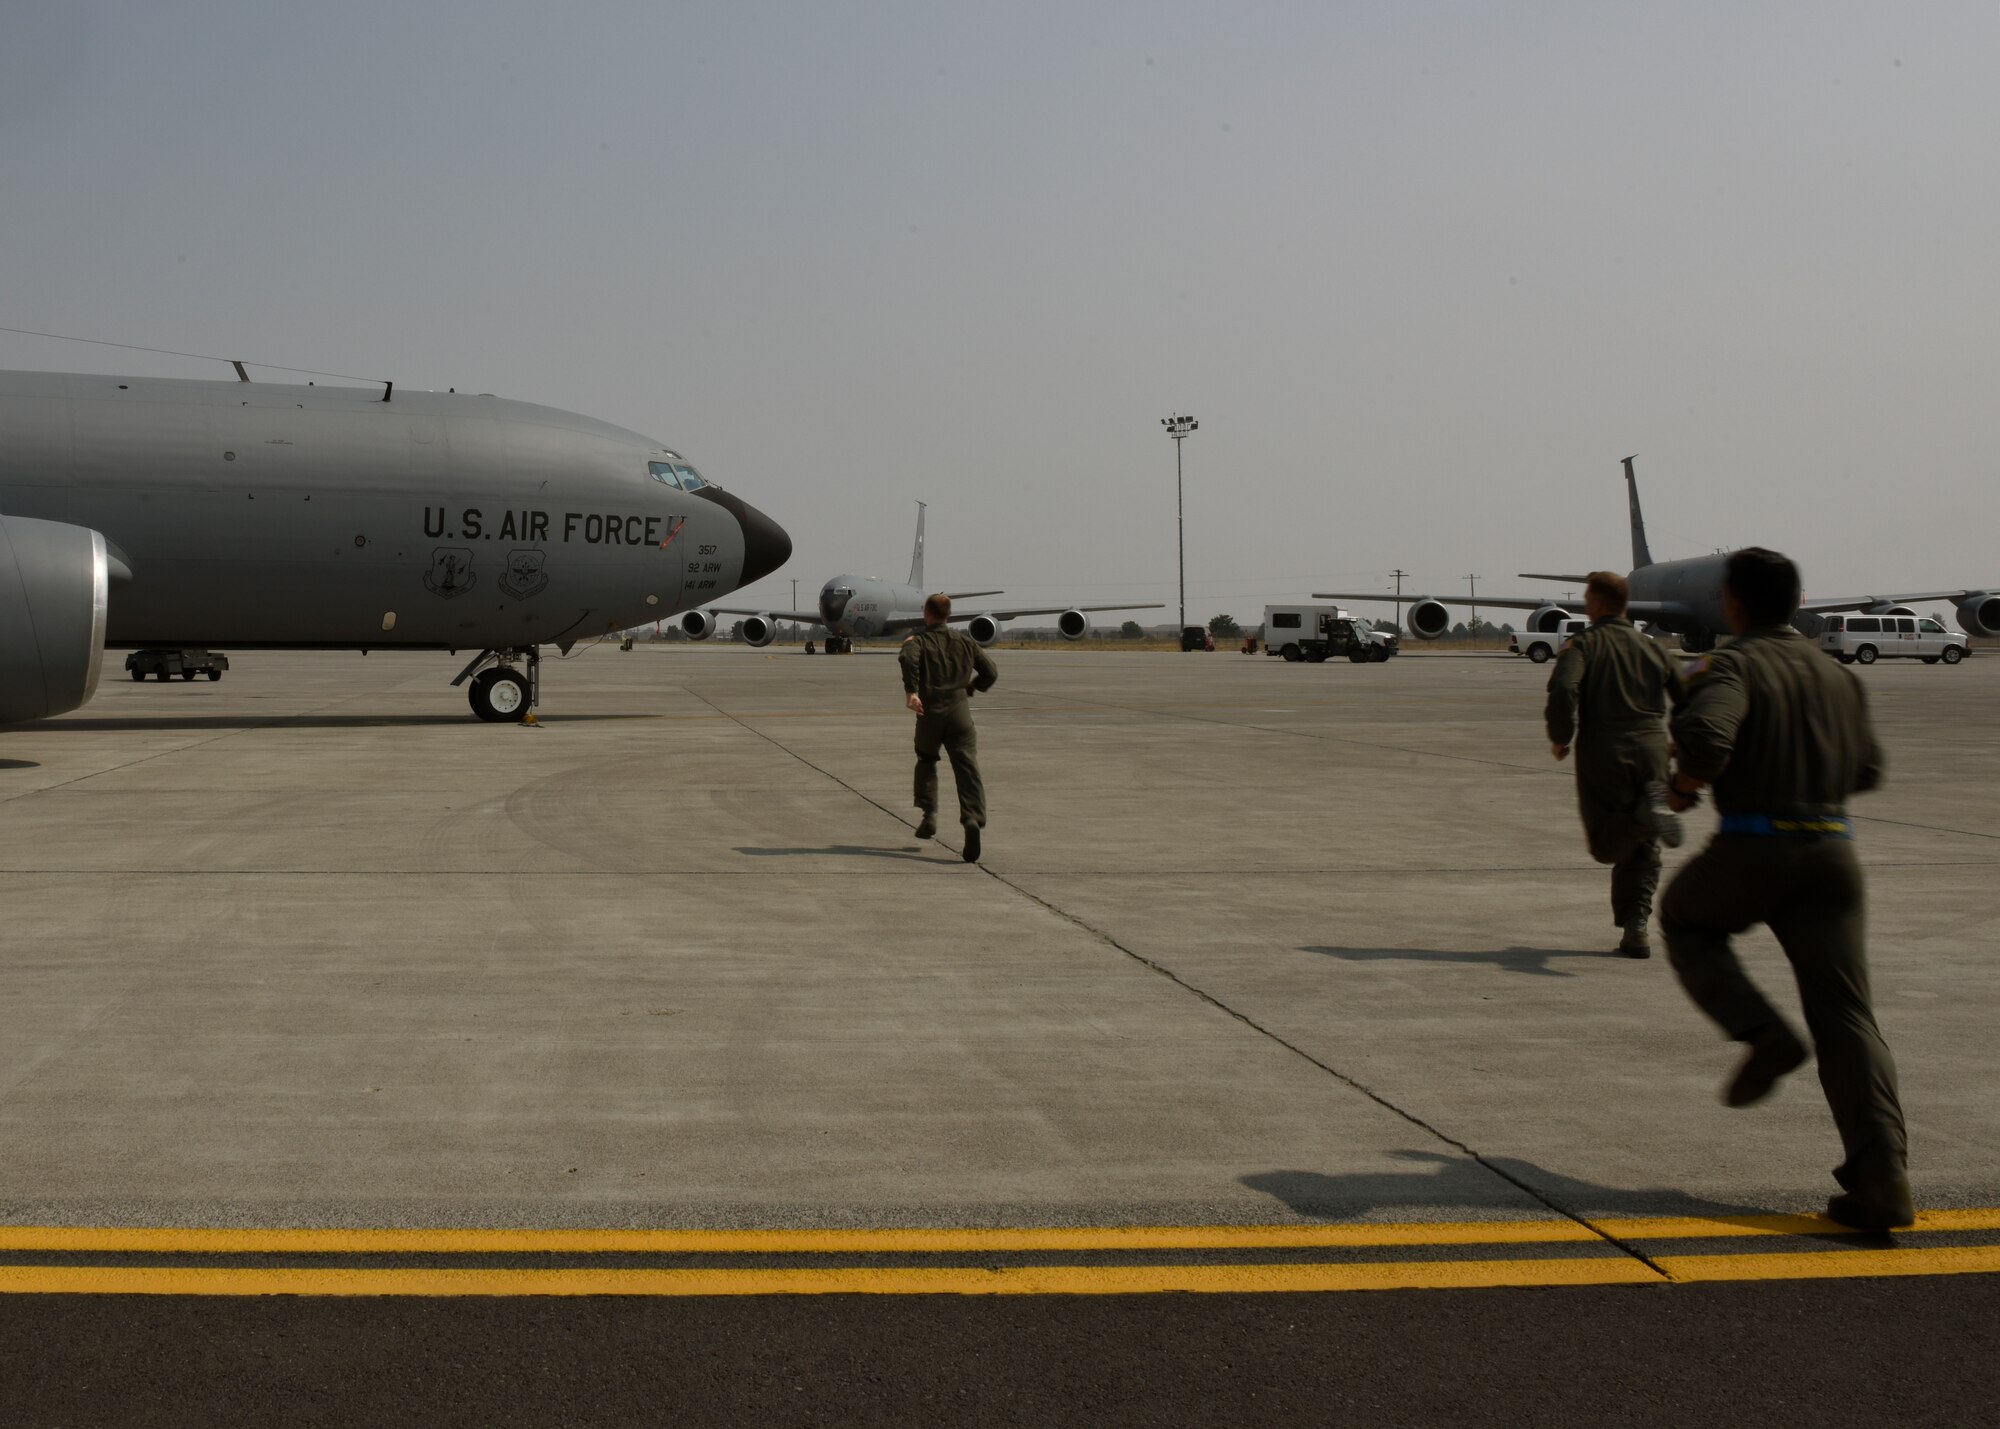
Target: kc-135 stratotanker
870, 606
168, 515
1683, 597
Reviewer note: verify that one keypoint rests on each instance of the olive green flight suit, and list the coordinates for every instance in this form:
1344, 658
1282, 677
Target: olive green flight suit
1783, 734
1616, 683
943, 667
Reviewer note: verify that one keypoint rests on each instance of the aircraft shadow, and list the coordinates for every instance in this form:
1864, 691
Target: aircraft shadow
1511, 960
121, 724
18, 764
843, 851
1462, 1183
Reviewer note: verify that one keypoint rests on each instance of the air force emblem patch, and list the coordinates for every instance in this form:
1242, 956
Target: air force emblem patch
525, 575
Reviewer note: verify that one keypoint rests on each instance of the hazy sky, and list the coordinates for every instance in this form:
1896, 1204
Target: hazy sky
1424, 271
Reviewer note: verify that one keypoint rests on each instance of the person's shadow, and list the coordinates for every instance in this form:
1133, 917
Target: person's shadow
1510, 960
1463, 1183
910, 854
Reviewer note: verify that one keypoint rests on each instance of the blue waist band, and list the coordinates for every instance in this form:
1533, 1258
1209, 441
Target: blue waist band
1824, 826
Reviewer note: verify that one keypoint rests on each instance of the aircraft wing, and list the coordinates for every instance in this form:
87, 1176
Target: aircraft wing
802, 617
1058, 610
1501, 602
969, 594
1862, 602
890, 627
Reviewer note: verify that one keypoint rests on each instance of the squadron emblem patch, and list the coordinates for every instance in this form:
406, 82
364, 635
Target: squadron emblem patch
451, 572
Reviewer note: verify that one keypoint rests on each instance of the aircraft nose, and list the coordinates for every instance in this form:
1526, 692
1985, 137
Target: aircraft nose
766, 546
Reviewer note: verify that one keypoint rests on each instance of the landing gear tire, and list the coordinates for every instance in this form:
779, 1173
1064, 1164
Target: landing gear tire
1539, 654
499, 696
1865, 655
1292, 654
1951, 655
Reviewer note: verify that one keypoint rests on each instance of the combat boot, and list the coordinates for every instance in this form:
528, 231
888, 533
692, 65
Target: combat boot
971, 854
927, 826
1774, 1053
1880, 1205
1666, 824
1635, 943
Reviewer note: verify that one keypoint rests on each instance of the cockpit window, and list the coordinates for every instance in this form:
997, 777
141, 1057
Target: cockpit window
663, 471
691, 480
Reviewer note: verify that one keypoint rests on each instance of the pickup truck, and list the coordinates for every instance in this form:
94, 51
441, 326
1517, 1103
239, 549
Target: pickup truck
1542, 646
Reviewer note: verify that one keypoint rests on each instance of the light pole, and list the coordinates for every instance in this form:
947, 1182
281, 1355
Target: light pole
1399, 574
1178, 428
1472, 586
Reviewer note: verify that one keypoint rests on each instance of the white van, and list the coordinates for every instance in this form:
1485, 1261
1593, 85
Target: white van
1864, 639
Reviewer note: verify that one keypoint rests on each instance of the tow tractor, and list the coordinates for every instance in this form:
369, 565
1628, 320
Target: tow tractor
165, 664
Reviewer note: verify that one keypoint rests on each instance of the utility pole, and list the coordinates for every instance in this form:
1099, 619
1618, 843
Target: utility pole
1178, 428
1399, 574
795, 606
1472, 586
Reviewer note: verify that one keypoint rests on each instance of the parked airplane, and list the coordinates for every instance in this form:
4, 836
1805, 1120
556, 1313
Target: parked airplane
1684, 597
173, 515
868, 605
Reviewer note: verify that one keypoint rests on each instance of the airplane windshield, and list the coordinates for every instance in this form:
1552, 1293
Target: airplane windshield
691, 480
663, 471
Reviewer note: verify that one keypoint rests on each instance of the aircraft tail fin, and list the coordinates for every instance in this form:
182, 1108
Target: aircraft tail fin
1641, 555
917, 555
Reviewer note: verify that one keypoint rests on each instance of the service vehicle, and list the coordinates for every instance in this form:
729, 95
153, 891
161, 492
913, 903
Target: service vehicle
165, 664
1542, 646
1316, 632
1864, 639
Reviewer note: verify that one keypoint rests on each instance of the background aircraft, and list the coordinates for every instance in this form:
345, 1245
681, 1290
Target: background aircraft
172, 514
1684, 597
868, 605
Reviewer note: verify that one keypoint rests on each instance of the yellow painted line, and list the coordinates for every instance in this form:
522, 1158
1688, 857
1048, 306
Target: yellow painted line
1833, 1264
330, 1241
454, 1241
925, 1280
1719, 1227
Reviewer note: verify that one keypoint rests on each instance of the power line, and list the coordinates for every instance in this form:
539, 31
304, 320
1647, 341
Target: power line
199, 356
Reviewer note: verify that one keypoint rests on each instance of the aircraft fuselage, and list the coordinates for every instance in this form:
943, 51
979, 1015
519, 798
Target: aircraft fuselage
254, 514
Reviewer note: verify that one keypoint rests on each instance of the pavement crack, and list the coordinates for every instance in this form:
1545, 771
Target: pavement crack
1159, 968
1162, 970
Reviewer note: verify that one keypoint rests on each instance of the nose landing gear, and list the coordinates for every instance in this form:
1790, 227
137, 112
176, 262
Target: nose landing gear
501, 694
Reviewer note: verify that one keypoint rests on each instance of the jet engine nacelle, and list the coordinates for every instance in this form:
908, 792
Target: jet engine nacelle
1885, 608
55, 591
1980, 614
1548, 618
1072, 625
1429, 619
983, 628
698, 624
758, 630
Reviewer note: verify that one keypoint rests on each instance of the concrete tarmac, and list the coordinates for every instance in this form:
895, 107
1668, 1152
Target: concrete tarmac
1251, 942
1308, 959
